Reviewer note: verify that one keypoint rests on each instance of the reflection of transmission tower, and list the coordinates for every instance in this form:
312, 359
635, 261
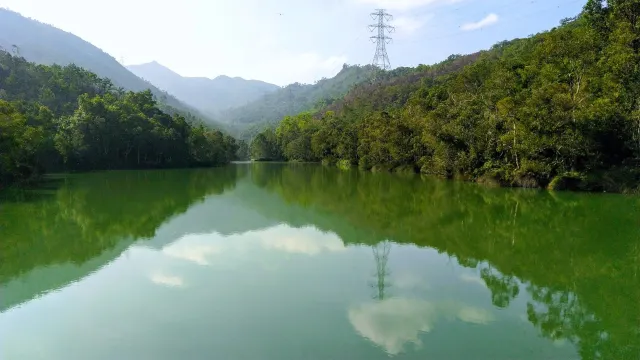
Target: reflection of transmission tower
381, 58
381, 255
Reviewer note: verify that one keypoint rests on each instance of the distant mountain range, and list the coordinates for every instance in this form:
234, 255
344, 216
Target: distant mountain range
44, 44
249, 105
208, 95
293, 99
233, 104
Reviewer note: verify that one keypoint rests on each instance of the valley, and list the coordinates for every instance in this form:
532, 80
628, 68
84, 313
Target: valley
458, 196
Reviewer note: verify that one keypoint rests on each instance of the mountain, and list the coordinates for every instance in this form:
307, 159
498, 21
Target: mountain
296, 98
208, 95
559, 110
44, 44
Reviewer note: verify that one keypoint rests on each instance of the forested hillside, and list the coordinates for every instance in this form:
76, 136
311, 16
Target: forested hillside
210, 96
296, 98
560, 109
47, 45
66, 118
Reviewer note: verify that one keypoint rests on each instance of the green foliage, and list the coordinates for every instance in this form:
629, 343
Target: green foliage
295, 98
526, 112
294, 137
55, 118
265, 147
19, 144
243, 152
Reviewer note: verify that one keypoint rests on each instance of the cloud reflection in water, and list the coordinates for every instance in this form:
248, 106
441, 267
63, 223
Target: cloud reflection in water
392, 323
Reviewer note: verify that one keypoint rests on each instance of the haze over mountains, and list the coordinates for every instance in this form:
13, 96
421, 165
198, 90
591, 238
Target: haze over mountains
296, 98
239, 106
245, 104
210, 96
44, 44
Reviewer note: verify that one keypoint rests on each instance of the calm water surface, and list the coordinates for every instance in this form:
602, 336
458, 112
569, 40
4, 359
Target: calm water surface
282, 262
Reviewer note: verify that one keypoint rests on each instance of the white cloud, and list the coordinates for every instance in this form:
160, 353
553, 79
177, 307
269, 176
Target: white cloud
167, 280
392, 323
487, 21
187, 250
201, 249
403, 5
308, 241
408, 25
298, 245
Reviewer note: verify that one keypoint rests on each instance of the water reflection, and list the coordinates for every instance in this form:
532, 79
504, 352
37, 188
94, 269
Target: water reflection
306, 260
576, 254
52, 238
207, 249
167, 280
394, 322
381, 256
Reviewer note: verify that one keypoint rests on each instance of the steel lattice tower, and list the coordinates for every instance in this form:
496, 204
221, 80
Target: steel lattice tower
381, 255
381, 58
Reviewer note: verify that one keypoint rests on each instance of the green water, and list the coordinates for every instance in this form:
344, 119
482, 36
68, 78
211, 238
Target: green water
272, 261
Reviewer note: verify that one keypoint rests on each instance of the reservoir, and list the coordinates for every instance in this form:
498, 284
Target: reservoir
293, 262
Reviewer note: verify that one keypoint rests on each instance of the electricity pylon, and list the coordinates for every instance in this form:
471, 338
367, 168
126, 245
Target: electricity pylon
381, 58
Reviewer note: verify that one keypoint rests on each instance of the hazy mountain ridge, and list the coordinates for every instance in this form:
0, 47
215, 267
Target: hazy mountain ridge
293, 99
45, 44
210, 96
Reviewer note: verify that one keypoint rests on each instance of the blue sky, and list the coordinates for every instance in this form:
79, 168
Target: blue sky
310, 40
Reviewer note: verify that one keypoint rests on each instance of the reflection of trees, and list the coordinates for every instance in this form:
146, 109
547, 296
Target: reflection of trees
577, 254
560, 315
91, 213
503, 288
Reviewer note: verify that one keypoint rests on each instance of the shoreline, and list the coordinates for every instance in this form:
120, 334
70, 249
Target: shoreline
617, 180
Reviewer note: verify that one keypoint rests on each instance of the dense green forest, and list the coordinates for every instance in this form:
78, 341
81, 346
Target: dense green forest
267, 111
560, 109
55, 118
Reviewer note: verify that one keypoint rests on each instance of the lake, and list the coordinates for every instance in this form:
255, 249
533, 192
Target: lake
276, 261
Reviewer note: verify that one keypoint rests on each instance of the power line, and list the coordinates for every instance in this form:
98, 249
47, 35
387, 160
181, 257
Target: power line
381, 58
386, 39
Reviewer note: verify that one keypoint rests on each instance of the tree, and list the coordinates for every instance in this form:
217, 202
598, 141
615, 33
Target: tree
19, 145
58, 118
